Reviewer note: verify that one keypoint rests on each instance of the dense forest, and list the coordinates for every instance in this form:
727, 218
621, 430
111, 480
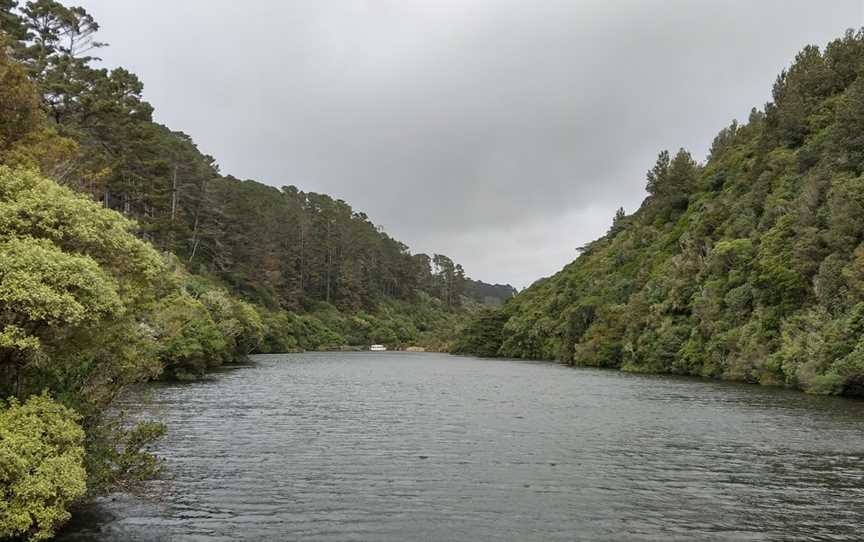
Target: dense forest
125, 255
749, 266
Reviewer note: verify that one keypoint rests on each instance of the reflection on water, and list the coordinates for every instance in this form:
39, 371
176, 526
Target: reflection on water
397, 446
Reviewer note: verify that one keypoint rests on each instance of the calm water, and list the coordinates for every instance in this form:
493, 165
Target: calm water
396, 446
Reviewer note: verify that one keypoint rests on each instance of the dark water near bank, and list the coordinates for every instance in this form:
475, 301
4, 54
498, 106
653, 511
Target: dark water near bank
396, 446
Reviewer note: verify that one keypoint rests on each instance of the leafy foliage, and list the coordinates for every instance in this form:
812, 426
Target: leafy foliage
72, 275
41, 466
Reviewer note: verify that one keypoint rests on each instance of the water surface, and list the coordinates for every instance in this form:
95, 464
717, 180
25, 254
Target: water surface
397, 446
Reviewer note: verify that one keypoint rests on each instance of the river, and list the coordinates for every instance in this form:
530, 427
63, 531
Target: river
408, 446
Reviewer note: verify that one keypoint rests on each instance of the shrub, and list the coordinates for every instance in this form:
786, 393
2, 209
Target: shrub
238, 321
279, 334
190, 341
119, 454
41, 467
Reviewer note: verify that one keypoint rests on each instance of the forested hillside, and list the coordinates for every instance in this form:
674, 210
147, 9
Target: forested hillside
749, 266
284, 248
125, 256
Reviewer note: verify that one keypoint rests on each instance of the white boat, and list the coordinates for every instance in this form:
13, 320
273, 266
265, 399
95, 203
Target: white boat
378, 348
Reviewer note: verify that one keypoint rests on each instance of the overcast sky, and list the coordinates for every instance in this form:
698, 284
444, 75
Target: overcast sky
501, 133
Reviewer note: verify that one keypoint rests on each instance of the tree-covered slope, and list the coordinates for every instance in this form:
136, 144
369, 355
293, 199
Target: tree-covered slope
749, 266
280, 247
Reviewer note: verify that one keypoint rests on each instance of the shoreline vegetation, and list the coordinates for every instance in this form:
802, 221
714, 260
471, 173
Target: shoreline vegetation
126, 256
746, 267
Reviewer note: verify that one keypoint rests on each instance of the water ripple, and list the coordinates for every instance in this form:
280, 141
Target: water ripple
397, 446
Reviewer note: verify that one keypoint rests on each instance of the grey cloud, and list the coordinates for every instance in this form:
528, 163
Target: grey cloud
501, 133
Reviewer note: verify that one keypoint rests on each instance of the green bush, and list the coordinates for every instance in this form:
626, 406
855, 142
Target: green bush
189, 340
313, 334
279, 334
240, 324
41, 467
73, 278
119, 454
252, 329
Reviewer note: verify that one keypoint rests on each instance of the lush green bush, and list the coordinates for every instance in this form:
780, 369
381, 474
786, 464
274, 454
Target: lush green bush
238, 321
279, 333
41, 467
119, 455
190, 342
313, 334
73, 278
75, 286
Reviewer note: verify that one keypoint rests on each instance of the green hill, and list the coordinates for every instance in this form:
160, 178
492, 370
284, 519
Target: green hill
749, 266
